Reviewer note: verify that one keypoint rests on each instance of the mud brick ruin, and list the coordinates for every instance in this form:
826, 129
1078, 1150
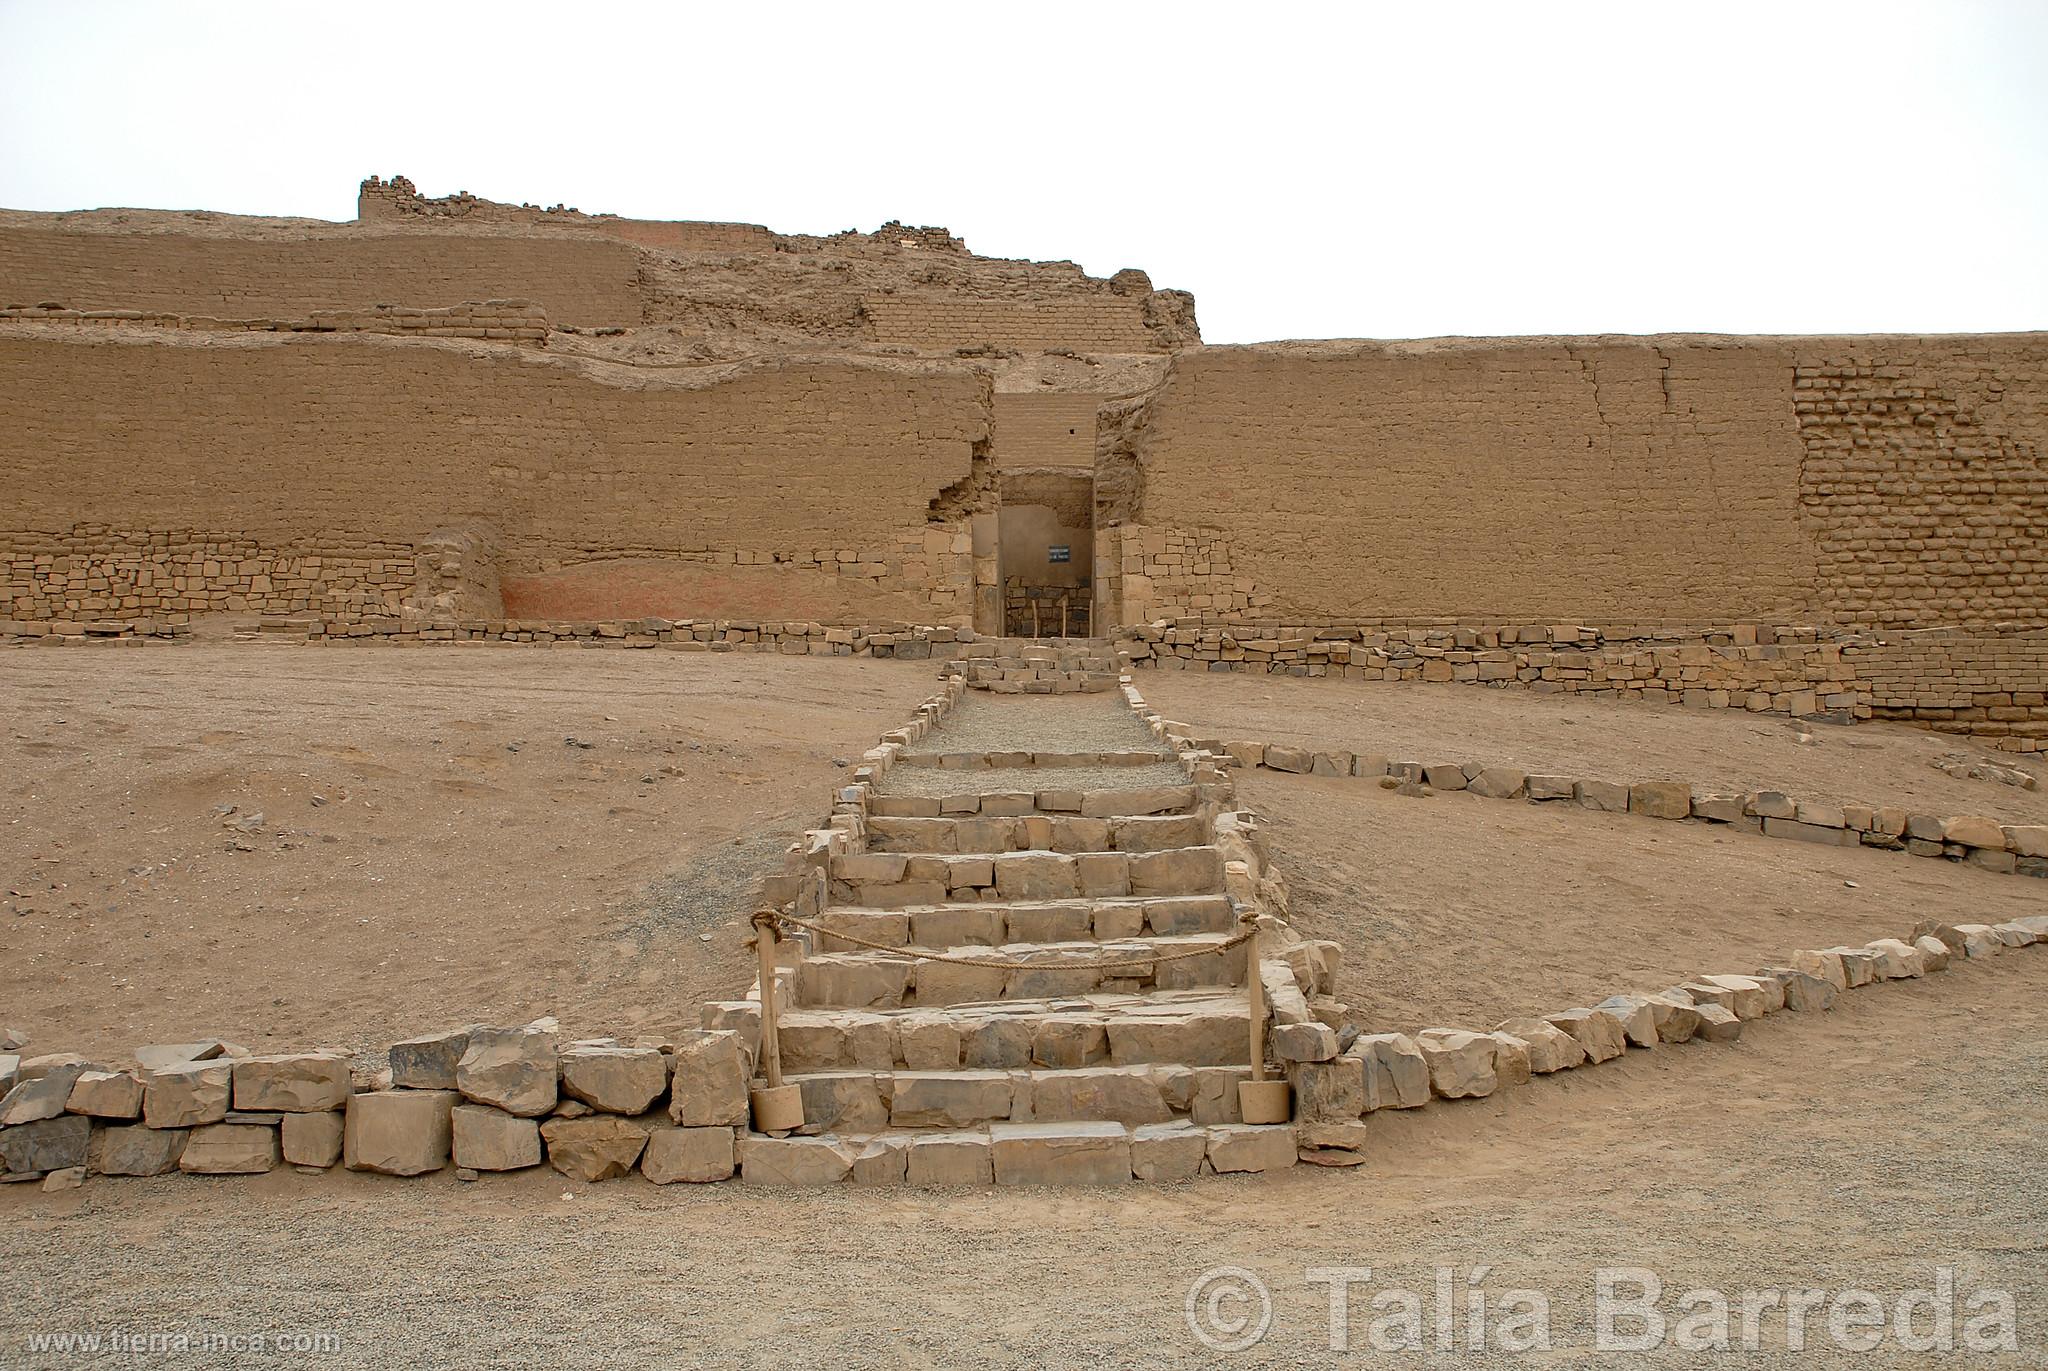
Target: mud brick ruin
452, 420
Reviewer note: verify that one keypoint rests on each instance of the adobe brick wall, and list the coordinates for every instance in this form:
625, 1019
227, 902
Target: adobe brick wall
1104, 323
397, 201
1955, 681
584, 280
1876, 481
1046, 430
155, 471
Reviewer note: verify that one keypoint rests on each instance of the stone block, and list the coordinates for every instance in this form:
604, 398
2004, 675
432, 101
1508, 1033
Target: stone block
1638, 1023
1279, 757
1973, 831
106, 1095
1177, 871
1606, 796
843, 1102
187, 1095
1330, 1090
1718, 1025
1251, 1147
953, 1100
1036, 876
1076, 1152
1660, 799
949, 1158
513, 1069
1934, 953
1499, 783
295, 1083
1396, 1072
428, 1062
598, 1147
1550, 1048
230, 1149
1541, 788
1599, 1032
1460, 1063
1166, 1151
694, 1155
617, 1080
487, 1139
1302, 1042
708, 1088
312, 1139
1510, 1059
882, 1160
138, 1151
1896, 959
794, 1161
398, 1132
46, 1144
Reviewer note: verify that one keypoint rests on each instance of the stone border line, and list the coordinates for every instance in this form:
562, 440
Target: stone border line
791, 638
1334, 1090
2020, 849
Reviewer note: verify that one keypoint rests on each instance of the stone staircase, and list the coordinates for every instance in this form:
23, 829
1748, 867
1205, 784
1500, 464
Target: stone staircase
1040, 666
1009, 964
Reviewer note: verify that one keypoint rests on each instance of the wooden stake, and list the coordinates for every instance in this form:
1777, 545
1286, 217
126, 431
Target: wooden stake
1255, 994
765, 938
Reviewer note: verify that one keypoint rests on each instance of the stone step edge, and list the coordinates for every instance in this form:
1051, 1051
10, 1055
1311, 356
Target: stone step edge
1018, 1154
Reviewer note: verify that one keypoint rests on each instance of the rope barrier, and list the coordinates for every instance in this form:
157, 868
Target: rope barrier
913, 954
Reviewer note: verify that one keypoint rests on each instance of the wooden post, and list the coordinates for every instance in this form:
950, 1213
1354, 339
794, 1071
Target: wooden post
1034, 616
779, 1108
1066, 628
1259, 1100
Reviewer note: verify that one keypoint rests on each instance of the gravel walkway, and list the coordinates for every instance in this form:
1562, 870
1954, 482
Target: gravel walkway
1041, 723
936, 780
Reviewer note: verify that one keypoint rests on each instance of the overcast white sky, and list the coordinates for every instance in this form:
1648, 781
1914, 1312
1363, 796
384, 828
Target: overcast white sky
1356, 170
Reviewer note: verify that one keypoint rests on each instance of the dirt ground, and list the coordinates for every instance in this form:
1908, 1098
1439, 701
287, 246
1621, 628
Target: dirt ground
1870, 763
469, 880
434, 850
1861, 1149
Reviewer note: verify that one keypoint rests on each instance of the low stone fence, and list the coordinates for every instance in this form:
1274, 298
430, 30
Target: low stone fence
1013, 666
1785, 669
2016, 848
1337, 1083
507, 321
790, 638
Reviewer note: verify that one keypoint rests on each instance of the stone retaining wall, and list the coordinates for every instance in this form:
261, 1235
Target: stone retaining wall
2015, 848
508, 321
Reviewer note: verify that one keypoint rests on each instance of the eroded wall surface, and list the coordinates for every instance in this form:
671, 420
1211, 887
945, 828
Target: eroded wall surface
1894, 482
171, 473
580, 279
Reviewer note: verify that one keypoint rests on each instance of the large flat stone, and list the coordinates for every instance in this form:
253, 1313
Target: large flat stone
312, 1139
949, 1101
695, 1155
1460, 1062
794, 1161
1396, 1072
709, 1087
1075, 1152
429, 1062
949, 1158
1117, 1094
107, 1095
295, 1083
230, 1149
46, 1144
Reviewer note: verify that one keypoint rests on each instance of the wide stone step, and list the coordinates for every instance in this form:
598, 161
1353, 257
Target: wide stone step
1037, 832
886, 880
991, 923
1094, 804
869, 1101
980, 761
880, 980
1076, 1152
1201, 1027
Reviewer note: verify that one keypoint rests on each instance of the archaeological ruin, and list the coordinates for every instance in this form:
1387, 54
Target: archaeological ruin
1060, 950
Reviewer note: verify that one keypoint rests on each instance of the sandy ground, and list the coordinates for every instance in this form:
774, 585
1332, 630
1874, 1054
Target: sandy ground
1863, 1148
1860, 1149
1870, 763
1458, 911
433, 850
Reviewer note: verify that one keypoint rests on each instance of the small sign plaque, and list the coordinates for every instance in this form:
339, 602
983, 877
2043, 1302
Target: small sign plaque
1059, 552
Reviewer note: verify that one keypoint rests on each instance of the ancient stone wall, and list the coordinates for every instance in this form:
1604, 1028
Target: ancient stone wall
509, 321
398, 201
300, 472
1990, 685
578, 279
